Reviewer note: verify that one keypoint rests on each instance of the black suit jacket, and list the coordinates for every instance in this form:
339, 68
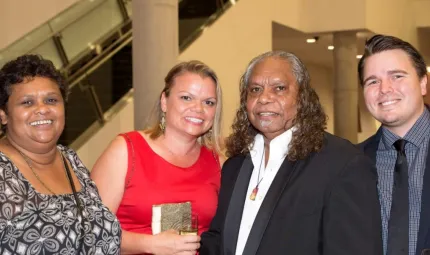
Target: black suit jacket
370, 147
326, 204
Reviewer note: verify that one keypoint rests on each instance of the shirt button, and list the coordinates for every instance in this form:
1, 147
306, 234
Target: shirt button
249, 226
260, 197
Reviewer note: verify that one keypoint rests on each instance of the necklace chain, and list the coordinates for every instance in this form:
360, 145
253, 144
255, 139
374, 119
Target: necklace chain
255, 190
259, 169
28, 161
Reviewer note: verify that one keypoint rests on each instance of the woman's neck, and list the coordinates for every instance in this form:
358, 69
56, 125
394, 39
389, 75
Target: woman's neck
41, 158
179, 145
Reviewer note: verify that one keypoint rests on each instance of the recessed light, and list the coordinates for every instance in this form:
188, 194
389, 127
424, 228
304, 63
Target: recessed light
330, 47
428, 69
359, 56
311, 40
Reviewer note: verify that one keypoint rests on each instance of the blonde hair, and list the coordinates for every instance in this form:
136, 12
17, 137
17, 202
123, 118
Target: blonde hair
211, 140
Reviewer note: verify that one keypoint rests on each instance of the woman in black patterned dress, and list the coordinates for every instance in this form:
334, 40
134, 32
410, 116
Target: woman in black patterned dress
48, 203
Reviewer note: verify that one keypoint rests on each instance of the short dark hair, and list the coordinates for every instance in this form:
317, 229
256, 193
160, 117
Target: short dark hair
28, 67
380, 43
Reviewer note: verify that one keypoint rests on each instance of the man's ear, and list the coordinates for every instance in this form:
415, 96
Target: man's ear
423, 85
3, 117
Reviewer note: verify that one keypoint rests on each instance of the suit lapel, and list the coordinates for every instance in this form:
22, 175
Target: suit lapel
269, 203
371, 147
235, 208
423, 241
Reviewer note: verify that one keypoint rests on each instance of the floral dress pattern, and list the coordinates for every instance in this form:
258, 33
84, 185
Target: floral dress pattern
34, 223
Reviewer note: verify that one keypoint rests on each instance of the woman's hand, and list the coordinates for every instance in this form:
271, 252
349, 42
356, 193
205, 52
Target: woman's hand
170, 242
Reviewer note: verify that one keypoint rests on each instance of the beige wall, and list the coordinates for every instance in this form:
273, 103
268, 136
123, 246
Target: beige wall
322, 82
19, 17
286, 12
421, 13
395, 17
317, 15
399, 18
229, 44
332, 15
119, 123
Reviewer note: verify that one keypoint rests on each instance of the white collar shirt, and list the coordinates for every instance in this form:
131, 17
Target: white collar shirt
278, 151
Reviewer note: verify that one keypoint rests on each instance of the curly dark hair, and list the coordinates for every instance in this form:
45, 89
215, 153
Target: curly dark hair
25, 68
309, 122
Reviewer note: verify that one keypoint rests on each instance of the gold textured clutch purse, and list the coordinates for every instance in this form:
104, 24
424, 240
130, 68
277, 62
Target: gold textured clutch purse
170, 216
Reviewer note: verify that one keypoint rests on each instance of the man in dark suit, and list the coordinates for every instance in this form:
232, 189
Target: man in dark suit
288, 186
394, 77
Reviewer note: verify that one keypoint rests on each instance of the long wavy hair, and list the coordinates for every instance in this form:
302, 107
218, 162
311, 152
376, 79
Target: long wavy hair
211, 139
309, 122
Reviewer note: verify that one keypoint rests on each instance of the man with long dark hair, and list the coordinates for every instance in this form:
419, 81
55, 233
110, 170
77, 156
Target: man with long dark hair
289, 187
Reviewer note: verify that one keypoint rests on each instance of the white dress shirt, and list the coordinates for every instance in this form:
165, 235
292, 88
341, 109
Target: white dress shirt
278, 152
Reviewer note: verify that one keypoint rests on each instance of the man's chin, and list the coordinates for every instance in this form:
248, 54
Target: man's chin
390, 122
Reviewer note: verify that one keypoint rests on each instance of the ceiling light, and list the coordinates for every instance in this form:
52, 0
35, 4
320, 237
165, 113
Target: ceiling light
311, 40
359, 56
428, 69
233, 2
330, 47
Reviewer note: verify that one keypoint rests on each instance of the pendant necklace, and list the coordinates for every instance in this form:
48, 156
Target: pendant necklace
28, 161
255, 190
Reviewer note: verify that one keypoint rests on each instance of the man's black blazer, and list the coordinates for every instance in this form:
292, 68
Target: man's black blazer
370, 147
326, 204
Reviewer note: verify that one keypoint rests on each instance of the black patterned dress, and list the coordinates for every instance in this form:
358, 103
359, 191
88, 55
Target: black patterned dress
34, 223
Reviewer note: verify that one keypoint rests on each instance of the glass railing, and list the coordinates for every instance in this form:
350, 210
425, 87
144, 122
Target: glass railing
68, 36
91, 44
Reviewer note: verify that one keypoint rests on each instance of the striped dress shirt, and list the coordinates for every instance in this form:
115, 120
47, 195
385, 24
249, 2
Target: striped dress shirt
416, 153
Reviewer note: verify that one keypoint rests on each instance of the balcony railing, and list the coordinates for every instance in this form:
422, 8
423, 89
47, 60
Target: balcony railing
90, 43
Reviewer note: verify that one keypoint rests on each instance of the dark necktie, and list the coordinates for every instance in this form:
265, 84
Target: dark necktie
398, 224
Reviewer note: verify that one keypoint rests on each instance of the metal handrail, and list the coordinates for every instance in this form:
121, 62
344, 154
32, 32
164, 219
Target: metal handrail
126, 38
122, 36
48, 23
191, 38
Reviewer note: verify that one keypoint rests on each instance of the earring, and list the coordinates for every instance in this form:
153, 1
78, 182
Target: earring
209, 134
162, 124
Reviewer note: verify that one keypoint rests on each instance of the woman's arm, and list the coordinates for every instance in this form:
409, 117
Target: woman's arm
109, 174
165, 243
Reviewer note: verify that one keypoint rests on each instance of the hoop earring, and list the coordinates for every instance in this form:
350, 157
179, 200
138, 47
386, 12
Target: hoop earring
162, 124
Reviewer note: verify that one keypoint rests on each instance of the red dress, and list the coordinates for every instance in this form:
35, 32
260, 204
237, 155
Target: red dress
156, 181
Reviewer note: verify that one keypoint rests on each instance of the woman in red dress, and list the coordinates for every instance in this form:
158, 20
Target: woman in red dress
177, 160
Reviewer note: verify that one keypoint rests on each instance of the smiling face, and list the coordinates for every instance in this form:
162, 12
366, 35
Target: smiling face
393, 92
34, 114
272, 97
191, 105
